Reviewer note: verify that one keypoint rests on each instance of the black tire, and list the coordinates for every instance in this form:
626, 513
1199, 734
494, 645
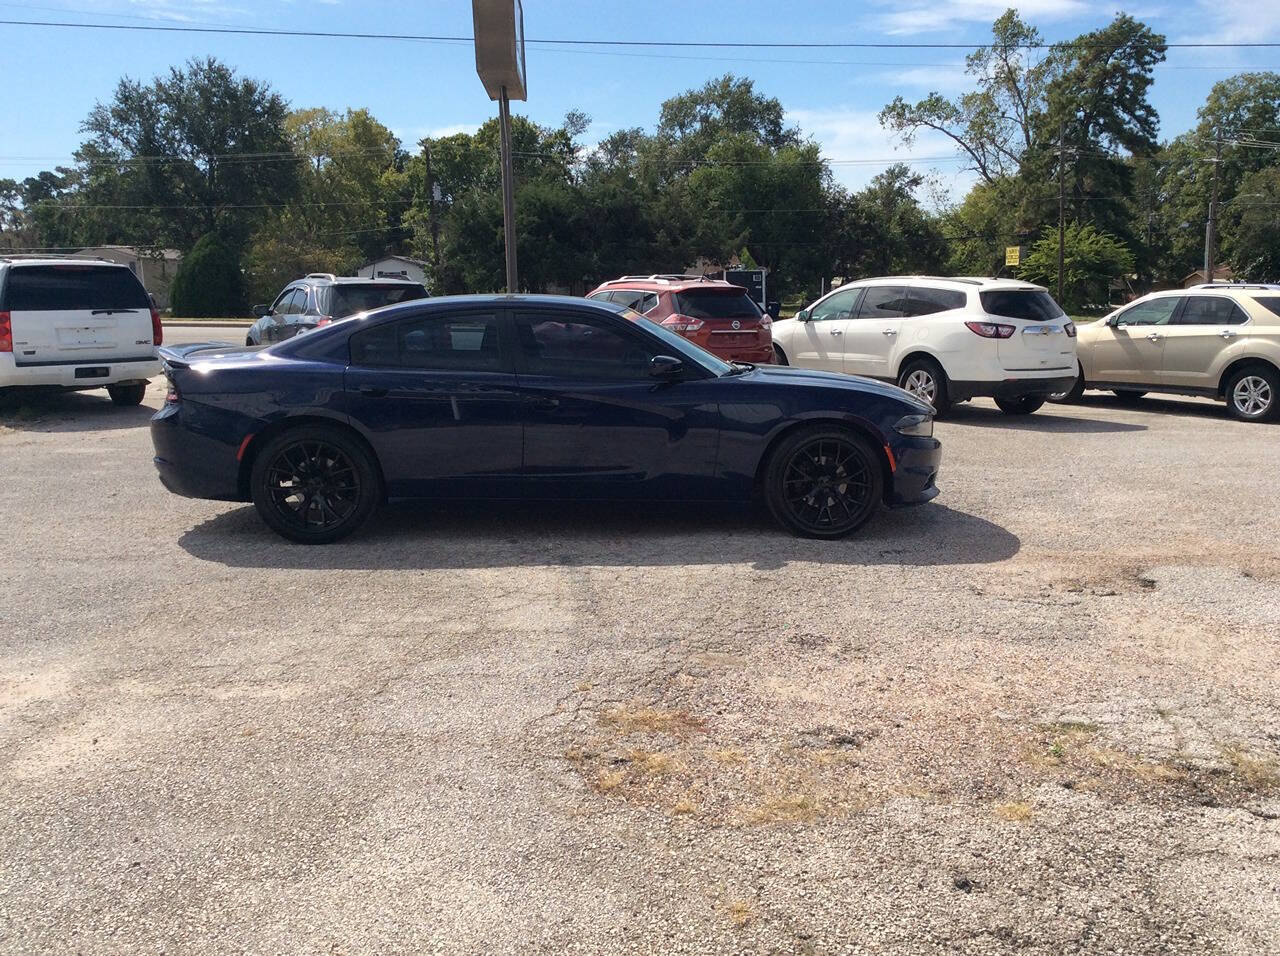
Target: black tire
1074, 393
913, 378
1022, 405
1128, 396
1253, 394
127, 394
315, 465
817, 463
779, 356
248, 340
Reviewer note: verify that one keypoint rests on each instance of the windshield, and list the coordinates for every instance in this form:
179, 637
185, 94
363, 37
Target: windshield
1031, 304
681, 346
350, 299
716, 304
66, 288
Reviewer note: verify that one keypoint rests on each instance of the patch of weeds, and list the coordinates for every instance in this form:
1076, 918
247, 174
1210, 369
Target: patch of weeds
651, 762
630, 719
740, 912
730, 756
684, 806
1058, 741
1257, 774
1153, 772
1015, 812
788, 808
607, 781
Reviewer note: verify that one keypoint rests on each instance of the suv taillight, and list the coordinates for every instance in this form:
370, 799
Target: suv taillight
323, 320
682, 323
1070, 329
766, 323
157, 330
6, 333
991, 330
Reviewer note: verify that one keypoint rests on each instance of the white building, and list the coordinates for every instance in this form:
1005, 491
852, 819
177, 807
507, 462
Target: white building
395, 267
155, 267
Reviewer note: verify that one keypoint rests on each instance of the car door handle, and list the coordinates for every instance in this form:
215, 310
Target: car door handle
837, 332
1153, 337
1227, 333
540, 401
373, 391
889, 332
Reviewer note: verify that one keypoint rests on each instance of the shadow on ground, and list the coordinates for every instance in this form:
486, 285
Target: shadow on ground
37, 410
515, 534
988, 416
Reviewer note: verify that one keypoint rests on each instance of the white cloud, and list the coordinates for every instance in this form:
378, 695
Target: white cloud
859, 148
938, 16
1233, 21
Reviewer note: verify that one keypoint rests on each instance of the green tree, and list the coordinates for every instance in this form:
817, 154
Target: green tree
1092, 260
209, 283
1252, 243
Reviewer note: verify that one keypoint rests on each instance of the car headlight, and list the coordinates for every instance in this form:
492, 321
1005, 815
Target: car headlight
920, 426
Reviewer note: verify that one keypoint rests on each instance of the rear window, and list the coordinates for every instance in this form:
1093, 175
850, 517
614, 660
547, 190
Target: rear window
72, 288
1012, 304
716, 304
1269, 302
350, 299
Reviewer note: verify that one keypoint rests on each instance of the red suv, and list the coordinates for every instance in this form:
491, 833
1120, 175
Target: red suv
720, 317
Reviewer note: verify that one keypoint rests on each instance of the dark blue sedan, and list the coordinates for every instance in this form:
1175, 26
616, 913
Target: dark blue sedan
528, 397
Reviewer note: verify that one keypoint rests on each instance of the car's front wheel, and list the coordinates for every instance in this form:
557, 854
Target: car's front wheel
779, 356
1253, 394
314, 484
823, 482
927, 381
1022, 405
127, 394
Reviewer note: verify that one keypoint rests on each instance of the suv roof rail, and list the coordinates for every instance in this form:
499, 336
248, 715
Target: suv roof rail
665, 277
321, 275
10, 256
1236, 285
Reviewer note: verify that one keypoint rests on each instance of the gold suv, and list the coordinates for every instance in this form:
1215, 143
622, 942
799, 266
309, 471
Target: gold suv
1219, 341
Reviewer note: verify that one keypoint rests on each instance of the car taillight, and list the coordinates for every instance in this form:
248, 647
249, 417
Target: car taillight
6, 333
682, 323
157, 330
991, 330
171, 397
766, 323
323, 320
1070, 329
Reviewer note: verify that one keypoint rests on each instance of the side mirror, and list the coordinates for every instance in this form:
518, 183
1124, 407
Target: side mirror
1114, 321
665, 366
802, 315
261, 310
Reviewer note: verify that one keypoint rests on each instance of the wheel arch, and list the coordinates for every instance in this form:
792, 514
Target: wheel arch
918, 353
260, 439
862, 428
1242, 363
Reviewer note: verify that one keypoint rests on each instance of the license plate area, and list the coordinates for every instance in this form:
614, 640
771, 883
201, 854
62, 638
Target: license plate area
93, 371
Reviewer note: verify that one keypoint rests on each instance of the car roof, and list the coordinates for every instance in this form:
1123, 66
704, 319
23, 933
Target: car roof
666, 283
328, 278
979, 283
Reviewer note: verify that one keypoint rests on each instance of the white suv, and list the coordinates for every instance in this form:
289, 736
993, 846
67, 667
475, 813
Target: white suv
943, 340
76, 324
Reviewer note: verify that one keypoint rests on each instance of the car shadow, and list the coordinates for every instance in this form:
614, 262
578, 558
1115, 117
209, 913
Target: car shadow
1161, 404
518, 534
38, 410
988, 416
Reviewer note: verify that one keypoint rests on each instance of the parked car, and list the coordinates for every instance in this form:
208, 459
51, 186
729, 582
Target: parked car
943, 340
1217, 341
321, 298
533, 397
712, 313
76, 324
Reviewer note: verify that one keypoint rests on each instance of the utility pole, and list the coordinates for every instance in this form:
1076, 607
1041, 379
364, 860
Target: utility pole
1062, 205
432, 189
1211, 227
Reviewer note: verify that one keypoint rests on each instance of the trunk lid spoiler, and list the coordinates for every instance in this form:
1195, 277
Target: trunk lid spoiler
182, 356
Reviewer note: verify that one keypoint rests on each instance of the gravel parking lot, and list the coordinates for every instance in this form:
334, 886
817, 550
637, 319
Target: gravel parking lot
1041, 713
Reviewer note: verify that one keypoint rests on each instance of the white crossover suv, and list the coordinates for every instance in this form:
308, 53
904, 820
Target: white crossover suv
76, 324
943, 340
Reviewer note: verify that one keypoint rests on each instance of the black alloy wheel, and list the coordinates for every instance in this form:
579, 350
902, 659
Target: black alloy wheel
314, 484
823, 483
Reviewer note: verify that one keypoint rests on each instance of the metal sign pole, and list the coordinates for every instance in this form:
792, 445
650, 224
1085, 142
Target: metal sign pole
508, 194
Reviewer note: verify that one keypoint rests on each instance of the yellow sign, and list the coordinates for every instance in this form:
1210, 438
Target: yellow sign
1013, 255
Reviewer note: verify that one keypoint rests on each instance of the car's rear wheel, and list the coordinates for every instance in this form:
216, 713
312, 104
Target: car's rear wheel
1128, 395
127, 394
823, 482
1074, 393
1022, 405
779, 356
925, 380
314, 484
1253, 394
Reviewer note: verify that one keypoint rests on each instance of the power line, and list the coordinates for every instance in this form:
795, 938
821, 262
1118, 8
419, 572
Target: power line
555, 41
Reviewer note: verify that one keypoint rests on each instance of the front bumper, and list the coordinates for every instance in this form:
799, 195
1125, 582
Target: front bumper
915, 472
1011, 387
192, 464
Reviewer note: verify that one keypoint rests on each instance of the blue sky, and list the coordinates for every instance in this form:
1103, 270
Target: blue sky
54, 77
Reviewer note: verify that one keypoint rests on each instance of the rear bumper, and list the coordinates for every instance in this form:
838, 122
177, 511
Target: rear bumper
1011, 387
191, 464
755, 354
75, 375
915, 476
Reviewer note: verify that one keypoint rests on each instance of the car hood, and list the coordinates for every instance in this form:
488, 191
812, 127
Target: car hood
837, 380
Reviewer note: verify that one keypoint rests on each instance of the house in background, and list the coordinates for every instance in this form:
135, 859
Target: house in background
155, 267
1220, 274
395, 267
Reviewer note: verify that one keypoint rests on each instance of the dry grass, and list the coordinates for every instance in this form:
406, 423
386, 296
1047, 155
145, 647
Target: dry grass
1118, 761
684, 806
609, 780
788, 808
731, 756
583, 687
740, 912
1015, 812
1254, 772
651, 762
630, 719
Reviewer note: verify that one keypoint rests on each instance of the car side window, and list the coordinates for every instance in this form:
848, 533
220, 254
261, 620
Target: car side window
1152, 312
601, 296
449, 343
926, 301
627, 298
647, 304
839, 305
277, 307
293, 305
1211, 310
884, 302
573, 345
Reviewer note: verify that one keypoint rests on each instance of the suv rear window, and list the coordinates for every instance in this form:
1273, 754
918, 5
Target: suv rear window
1269, 302
1030, 305
72, 288
716, 304
350, 299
